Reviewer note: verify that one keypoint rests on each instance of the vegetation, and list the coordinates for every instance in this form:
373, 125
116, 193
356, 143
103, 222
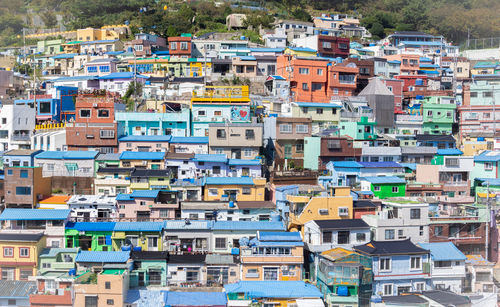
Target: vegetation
455, 19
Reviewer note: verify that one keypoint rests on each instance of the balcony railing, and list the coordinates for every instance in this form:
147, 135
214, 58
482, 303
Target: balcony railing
20, 137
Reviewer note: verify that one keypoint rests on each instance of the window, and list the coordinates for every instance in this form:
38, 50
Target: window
247, 152
299, 148
249, 134
25, 274
138, 47
389, 234
107, 285
23, 190
438, 231
104, 68
271, 274
421, 230
24, 173
488, 166
415, 263
442, 264
184, 46
173, 46
316, 86
221, 133
388, 289
85, 113
473, 94
305, 87
429, 113
319, 111
343, 237
327, 45
107, 134
360, 237
319, 72
487, 94
301, 128
24, 252
216, 170
213, 192
110, 302
395, 189
327, 237
343, 211
103, 113
8, 252
376, 188
420, 286
220, 243
285, 128
91, 301
246, 191
452, 162
91, 69
201, 113
101, 240
415, 214
303, 71
384, 264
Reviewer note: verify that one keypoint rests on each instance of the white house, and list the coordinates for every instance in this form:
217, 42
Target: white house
49, 140
17, 122
92, 208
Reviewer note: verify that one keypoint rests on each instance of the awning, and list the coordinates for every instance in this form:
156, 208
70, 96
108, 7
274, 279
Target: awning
312, 302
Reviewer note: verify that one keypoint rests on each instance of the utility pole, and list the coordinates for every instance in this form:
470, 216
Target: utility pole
488, 221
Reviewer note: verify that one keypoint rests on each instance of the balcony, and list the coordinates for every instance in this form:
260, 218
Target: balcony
332, 298
332, 279
65, 266
20, 137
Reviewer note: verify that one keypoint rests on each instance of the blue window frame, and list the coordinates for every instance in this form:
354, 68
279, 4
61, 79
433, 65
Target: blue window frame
23, 190
104, 68
91, 68
9, 172
24, 173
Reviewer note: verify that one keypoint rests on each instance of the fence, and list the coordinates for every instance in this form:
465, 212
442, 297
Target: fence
481, 43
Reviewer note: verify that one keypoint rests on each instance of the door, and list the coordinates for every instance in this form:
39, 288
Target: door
236, 153
141, 279
288, 151
152, 243
232, 194
85, 242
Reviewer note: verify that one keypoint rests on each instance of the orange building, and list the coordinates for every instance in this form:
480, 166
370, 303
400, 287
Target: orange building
315, 79
410, 63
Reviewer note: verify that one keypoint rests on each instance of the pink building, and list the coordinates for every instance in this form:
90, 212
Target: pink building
147, 205
159, 143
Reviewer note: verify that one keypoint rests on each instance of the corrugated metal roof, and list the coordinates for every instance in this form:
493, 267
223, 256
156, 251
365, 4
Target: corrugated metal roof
67, 155
139, 155
317, 105
274, 289
192, 225
53, 252
91, 226
488, 156
248, 225
228, 181
441, 251
219, 259
352, 164
17, 288
279, 236
449, 152
210, 158
145, 193
243, 162
195, 299
139, 226
145, 138
10, 214
383, 179
380, 164
103, 257
190, 139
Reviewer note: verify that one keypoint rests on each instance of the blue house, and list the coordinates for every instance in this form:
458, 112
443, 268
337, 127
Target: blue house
58, 109
272, 292
398, 267
441, 141
177, 123
20, 157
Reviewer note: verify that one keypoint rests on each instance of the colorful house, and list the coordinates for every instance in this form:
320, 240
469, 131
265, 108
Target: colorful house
20, 254
142, 160
89, 236
147, 205
438, 114
150, 268
273, 256
153, 124
234, 188
322, 115
150, 179
138, 236
384, 186
486, 165
361, 130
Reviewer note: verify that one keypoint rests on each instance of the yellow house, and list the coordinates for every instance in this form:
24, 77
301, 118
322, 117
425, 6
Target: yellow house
91, 34
273, 256
300, 51
142, 160
199, 69
308, 208
472, 146
234, 188
19, 254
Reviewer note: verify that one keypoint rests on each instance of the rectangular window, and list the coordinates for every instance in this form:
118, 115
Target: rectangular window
395, 189
488, 166
388, 290
220, 243
24, 252
85, 113
107, 134
249, 134
319, 72
101, 240
415, 214
91, 301
8, 252
285, 128
103, 113
360, 237
303, 71
216, 170
271, 274
376, 188
299, 148
24, 173
173, 46
343, 211
415, 263
301, 128
317, 86
110, 302
327, 45
246, 191
305, 86
343, 237
319, 111
25, 274
384, 264
23, 190
107, 285
389, 234
221, 133
184, 46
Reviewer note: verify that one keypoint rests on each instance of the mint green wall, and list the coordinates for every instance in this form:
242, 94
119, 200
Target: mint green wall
312, 148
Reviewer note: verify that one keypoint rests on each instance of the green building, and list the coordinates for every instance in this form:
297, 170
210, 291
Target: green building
89, 236
50, 47
362, 130
150, 269
439, 114
56, 261
384, 186
312, 149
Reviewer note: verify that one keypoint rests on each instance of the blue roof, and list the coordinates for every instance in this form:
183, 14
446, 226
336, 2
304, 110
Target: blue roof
140, 155
394, 62
121, 75
276, 77
383, 179
428, 72
274, 289
181, 225
279, 236
229, 180
425, 65
380, 164
248, 225
146, 298
161, 52
412, 166
99, 41
91, 226
302, 49
145, 193
449, 152
422, 43
115, 52
491, 181
318, 104
139, 226
145, 138
65, 56
195, 299
485, 65
488, 156
243, 162
350, 164
67, 155
123, 197
425, 59
247, 58
10, 214
442, 251
210, 158
75, 78
190, 139
267, 49
103, 257
255, 242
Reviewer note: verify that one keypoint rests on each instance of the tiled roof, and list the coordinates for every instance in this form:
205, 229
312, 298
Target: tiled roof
67, 155
139, 226
398, 247
195, 299
441, 251
228, 181
210, 158
17, 288
383, 179
274, 289
103, 257
10, 214
145, 138
488, 156
139, 155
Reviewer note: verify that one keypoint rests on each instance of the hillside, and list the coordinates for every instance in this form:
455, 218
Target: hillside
455, 19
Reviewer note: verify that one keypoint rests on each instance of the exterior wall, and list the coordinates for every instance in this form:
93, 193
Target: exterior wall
141, 146
201, 148
145, 164
52, 167
143, 240
175, 46
289, 267
144, 123
236, 138
470, 238
257, 191
17, 125
39, 187
128, 210
313, 235
117, 291
386, 190
18, 263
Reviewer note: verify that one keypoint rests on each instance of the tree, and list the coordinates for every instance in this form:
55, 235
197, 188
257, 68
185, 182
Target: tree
49, 19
